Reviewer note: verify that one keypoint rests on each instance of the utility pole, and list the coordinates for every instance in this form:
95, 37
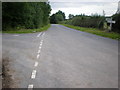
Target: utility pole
103, 13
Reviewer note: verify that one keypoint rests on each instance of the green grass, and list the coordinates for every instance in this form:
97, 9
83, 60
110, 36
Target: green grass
28, 30
111, 35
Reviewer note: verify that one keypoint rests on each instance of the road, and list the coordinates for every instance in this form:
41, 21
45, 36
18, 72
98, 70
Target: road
61, 58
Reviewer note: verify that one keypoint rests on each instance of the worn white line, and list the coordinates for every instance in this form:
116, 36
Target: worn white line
15, 35
39, 35
43, 33
33, 74
36, 64
42, 41
30, 86
40, 47
38, 56
38, 51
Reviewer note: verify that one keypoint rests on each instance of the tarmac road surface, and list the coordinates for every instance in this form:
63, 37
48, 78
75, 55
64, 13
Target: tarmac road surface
61, 58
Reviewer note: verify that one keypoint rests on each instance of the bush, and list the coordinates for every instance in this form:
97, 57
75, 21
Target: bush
116, 26
86, 21
25, 14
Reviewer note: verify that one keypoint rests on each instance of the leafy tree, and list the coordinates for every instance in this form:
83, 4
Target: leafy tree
62, 14
25, 14
57, 17
82, 20
116, 26
53, 19
71, 16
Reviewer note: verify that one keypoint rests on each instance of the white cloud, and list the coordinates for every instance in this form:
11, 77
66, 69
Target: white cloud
85, 7
83, 0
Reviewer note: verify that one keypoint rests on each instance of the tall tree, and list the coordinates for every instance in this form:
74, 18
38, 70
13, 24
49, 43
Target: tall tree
57, 17
61, 13
25, 14
71, 16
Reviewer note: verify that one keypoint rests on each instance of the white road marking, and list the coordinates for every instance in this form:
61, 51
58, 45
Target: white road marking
38, 51
43, 33
33, 74
39, 35
40, 47
36, 64
15, 35
41, 41
38, 56
40, 44
30, 86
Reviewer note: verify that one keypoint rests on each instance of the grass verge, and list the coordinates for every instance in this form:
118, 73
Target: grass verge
111, 35
28, 30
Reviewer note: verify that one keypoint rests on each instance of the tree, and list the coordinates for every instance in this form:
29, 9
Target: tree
57, 17
82, 20
71, 16
116, 26
25, 14
53, 19
61, 13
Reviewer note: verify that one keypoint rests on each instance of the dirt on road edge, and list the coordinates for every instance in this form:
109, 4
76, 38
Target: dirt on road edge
7, 80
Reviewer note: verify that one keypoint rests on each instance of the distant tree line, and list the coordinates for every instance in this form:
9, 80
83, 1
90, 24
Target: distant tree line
57, 17
82, 20
27, 15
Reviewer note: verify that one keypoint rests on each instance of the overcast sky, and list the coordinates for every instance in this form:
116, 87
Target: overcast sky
84, 6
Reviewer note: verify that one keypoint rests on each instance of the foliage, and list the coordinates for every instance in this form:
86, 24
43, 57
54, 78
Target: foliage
116, 26
112, 35
28, 30
57, 17
27, 15
71, 16
94, 21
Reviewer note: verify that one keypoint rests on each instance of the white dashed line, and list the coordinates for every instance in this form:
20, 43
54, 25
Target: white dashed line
33, 74
40, 47
36, 64
38, 51
43, 34
38, 56
30, 86
15, 35
41, 41
39, 35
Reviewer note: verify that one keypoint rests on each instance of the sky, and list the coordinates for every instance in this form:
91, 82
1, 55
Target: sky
86, 7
